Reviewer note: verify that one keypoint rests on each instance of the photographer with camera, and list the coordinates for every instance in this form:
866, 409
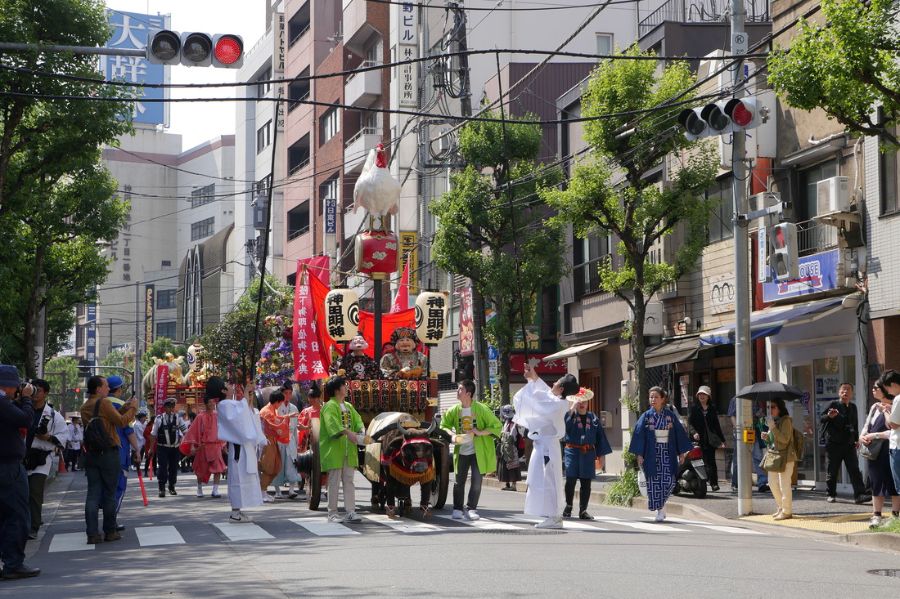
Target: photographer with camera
16, 416
47, 434
102, 465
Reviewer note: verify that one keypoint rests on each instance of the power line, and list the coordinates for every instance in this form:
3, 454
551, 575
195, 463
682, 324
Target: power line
547, 7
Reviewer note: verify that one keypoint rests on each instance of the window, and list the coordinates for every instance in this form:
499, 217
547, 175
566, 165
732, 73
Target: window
722, 214
165, 299
298, 154
264, 85
263, 137
890, 174
203, 228
586, 256
298, 90
203, 195
298, 24
298, 221
330, 124
605, 44
807, 206
165, 329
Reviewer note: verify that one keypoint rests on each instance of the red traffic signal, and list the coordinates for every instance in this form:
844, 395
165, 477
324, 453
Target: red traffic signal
228, 51
742, 112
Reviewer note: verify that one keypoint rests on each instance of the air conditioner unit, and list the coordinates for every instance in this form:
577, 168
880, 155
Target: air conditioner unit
833, 195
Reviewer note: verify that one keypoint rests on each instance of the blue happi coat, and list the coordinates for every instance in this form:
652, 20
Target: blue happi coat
579, 463
643, 439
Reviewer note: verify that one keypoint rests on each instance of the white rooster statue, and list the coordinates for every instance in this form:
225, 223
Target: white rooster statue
376, 190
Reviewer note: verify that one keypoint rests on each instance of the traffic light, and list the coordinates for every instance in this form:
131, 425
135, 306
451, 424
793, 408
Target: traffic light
465, 368
195, 49
784, 252
724, 116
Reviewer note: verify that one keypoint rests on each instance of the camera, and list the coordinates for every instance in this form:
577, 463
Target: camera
42, 425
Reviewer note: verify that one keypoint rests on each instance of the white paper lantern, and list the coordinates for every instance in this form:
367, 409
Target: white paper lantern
342, 314
432, 308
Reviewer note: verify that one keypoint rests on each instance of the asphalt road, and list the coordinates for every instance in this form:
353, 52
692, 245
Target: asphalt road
182, 547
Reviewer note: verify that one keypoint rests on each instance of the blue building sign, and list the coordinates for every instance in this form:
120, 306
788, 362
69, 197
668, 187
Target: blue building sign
818, 273
129, 30
91, 340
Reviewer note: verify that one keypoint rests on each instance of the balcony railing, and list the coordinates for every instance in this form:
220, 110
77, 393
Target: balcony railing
814, 237
701, 11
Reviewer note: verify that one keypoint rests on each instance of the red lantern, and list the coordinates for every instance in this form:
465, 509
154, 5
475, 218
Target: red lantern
376, 254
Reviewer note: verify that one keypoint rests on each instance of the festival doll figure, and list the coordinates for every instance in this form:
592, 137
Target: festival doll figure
405, 362
203, 441
356, 364
660, 443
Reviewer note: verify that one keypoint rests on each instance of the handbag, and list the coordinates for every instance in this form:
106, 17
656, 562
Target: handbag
872, 450
642, 483
773, 461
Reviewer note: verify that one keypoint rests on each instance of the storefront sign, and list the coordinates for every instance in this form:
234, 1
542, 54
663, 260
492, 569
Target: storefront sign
91, 338
721, 294
148, 316
818, 273
466, 324
330, 216
409, 252
532, 331
517, 364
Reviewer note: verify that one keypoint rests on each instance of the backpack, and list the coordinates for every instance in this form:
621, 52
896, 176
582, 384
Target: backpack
96, 439
799, 445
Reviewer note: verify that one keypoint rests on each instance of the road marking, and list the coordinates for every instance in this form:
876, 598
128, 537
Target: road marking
567, 524
646, 526
482, 524
69, 541
716, 527
149, 536
321, 527
403, 525
244, 531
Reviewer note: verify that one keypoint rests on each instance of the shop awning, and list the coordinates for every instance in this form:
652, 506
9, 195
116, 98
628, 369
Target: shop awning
670, 352
771, 320
574, 350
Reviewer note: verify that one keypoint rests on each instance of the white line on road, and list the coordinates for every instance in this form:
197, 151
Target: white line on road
149, 536
647, 526
567, 524
69, 541
321, 527
245, 531
716, 527
483, 523
403, 525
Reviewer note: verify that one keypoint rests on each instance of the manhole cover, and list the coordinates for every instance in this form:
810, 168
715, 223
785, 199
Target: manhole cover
895, 572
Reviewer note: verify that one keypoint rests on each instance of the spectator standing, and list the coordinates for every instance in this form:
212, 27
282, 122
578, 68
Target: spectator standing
168, 430
47, 434
704, 427
585, 442
875, 436
890, 380
128, 440
16, 415
510, 450
780, 438
840, 428
102, 464
73, 446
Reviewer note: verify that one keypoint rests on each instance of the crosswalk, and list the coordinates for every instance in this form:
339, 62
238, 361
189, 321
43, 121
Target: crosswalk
371, 524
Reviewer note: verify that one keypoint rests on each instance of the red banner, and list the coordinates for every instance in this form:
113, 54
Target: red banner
311, 356
162, 383
517, 364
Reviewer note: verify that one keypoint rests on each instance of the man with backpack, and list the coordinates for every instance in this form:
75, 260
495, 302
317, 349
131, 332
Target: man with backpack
102, 466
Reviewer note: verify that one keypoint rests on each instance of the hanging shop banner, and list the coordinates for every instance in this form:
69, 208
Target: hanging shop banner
162, 385
818, 273
311, 357
409, 253
149, 293
466, 324
431, 317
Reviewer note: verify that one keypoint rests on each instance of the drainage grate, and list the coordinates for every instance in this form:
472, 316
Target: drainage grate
894, 572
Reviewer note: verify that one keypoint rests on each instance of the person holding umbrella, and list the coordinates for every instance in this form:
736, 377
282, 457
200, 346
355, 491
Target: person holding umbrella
780, 439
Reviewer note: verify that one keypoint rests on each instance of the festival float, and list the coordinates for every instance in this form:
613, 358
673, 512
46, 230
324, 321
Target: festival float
394, 392
167, 378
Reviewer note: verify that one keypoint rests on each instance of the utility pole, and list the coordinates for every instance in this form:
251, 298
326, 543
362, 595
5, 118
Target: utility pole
137, 342
742, 348
482, 375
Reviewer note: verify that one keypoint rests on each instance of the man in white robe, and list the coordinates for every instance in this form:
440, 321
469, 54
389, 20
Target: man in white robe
241, 428
542, 409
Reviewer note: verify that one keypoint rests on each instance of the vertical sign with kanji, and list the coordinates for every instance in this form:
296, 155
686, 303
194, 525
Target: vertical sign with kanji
129, 30
149, 294
308, 364
278, 64
406, 79
90, 322
409, 252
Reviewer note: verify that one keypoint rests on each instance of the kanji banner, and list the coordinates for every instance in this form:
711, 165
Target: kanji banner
311, 358
162, 384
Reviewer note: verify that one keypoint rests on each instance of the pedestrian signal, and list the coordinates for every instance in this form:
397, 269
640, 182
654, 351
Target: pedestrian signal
784, 252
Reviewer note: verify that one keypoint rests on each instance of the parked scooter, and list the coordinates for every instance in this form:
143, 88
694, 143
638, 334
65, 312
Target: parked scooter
692, 476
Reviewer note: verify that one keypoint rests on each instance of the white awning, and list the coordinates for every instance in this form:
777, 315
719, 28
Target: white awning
575, 350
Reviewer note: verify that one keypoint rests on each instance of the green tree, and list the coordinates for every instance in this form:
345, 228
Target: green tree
846, 67
62, 374
228, 345
119, 359
611, 193
158, 349
56, 201
492, 229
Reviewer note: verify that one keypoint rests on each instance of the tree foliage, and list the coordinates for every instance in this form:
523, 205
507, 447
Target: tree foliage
228, 345
61, 373
845, 67
56, 200
158, 349
496, 233
610, 191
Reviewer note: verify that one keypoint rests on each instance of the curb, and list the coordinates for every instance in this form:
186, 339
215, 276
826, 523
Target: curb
873, 540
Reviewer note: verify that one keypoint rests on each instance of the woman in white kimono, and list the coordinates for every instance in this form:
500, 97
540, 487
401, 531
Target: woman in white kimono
240, 426
542, 409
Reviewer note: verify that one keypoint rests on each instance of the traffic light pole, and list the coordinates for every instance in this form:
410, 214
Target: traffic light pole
55, 49
742, 347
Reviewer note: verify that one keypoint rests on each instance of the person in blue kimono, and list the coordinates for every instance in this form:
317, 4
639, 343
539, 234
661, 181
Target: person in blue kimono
660, 443
585, 441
